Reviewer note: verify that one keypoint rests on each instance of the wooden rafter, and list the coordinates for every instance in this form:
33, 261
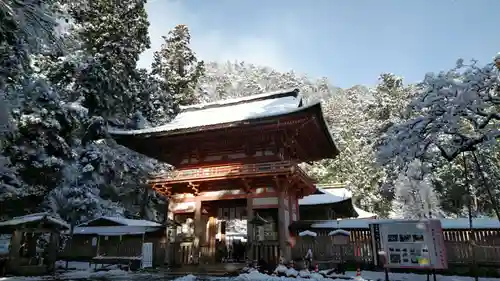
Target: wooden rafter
163, 190
195, 188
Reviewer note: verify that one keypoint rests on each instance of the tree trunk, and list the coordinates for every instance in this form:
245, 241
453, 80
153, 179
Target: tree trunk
487, 186
472, 243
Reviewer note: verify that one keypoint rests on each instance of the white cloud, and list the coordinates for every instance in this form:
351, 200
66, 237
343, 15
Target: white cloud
212, 45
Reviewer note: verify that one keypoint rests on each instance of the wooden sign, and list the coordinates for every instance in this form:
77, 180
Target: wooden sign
340, 237
340, 240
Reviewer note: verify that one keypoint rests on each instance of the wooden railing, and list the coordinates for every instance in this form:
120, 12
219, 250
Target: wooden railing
269, 251
230, 171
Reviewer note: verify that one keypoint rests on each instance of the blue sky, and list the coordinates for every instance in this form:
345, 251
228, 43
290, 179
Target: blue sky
350, 42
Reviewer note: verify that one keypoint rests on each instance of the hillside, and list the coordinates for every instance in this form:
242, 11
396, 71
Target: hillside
406, 150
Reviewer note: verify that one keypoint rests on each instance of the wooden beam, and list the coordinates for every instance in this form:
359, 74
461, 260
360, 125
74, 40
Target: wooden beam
246, 185
279, 184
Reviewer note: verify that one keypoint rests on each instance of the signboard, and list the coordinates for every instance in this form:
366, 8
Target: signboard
413, 244
260, 233
340, 240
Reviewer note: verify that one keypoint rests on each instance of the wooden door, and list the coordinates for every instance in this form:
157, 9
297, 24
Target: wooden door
147, 255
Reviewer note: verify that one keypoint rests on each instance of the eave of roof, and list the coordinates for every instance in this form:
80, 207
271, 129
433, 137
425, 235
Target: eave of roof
126, 138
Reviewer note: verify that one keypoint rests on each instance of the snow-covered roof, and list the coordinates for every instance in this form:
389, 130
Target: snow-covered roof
126, 227
246, 99
461, 223
114, 230
228, 111
124, 222
329, 196
36, 217
362, 214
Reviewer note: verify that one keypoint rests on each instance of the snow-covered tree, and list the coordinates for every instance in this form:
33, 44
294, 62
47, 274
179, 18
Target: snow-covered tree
358, 117
390, 100
77, 198
176, 64
26, 26
100, 65
98, 74
154, 104
239, 79
355, 165
414, 195
42, 142
453, 112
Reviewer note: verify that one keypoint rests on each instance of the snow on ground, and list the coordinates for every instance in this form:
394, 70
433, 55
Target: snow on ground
119, 275
365, 275
374, 275
73, 265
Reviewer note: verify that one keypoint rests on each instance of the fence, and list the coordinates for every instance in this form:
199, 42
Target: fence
462, 247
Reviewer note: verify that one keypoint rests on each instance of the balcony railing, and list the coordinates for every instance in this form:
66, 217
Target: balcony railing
230, 171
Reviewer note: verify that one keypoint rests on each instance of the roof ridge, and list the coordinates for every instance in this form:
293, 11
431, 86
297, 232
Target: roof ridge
295, 92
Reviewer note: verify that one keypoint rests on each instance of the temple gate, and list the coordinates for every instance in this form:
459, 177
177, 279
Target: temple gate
235, 161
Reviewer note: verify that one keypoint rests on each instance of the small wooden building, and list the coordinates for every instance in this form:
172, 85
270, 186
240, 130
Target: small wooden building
330, 202
27, 255
115, 240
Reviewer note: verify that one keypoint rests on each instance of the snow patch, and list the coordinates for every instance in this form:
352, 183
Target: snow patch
124, 221
308, 233
33, 218
189, 277
339, 232
114, 230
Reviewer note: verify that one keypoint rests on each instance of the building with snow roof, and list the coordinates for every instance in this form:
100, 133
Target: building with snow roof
116, 240
24, 256
329, 202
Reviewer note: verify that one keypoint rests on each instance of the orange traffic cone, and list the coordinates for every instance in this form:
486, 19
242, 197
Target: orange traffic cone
358, 272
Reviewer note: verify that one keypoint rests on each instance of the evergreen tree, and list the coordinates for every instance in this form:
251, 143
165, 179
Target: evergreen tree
45, 128
98, 74
108, 39
176, 64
